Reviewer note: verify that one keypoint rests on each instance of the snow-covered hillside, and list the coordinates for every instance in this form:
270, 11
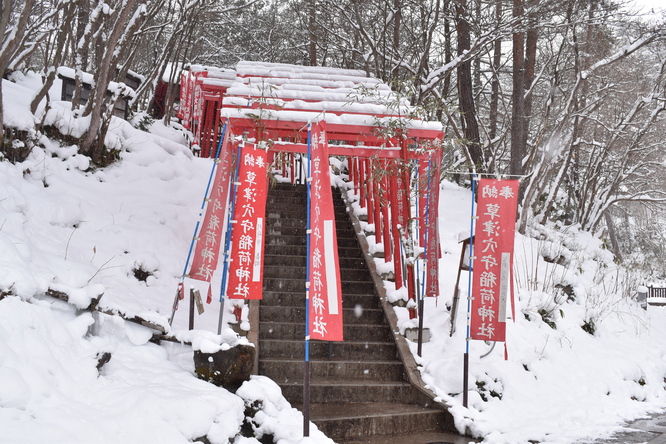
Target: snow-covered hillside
86, 232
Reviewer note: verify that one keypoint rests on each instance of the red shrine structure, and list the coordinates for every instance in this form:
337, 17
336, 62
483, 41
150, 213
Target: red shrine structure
392, 156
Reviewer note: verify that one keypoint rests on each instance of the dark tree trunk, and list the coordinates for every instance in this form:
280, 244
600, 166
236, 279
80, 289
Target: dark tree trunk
518, 130
312, 31
532, 37
465, 89
497, 60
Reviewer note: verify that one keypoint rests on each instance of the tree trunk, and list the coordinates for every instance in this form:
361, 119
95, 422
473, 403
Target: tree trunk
312, 31
83, 18
465, 89
10, 41
92, 143
518, 130
497, 60
531, 38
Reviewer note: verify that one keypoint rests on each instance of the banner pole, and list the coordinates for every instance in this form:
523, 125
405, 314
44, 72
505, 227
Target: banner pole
227, 236
469, 296
425, 260
196, 230
306, 364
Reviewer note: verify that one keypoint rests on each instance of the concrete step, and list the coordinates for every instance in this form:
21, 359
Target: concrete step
296, 211
299, 201
297, 299
343, 231
285, 231
346, 263
287, 198
271, 260
285, 272
291, 370
346, 421
352, 332
349, 391
285, 239
288, 283
297, 315
295, 349
274, 219
299, 250
276, 271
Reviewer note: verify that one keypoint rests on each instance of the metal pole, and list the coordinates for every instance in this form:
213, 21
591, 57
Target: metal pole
196, 228
469, 296
191, 327
306, 364
425, 260
227, 237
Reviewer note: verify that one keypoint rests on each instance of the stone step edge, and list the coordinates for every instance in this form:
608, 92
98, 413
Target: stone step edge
362, 411
335, 383
278, 323
329, 361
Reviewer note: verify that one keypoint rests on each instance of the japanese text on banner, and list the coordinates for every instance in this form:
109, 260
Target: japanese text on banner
207, 248
247, 239
431, 232
325, 291
493, 258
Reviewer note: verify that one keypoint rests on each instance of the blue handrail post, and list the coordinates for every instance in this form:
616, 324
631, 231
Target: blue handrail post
196, 227
227, 237
308, 229
469, 296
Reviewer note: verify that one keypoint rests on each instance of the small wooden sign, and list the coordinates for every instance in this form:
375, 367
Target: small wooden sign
199, 302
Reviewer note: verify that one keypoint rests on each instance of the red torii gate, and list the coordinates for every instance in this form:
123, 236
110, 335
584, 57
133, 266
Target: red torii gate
273, 104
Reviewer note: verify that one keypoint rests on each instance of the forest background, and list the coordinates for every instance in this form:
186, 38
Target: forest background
569, 95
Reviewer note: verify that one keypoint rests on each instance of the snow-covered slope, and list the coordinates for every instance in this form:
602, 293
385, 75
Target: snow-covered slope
84, 232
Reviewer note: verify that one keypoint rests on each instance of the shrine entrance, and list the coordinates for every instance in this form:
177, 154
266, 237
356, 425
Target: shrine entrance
296, 124
391, 157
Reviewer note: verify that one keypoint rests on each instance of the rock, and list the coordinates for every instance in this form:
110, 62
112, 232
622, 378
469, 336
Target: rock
225, 368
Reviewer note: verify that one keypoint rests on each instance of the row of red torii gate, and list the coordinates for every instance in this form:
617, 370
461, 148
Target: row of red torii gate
259, 119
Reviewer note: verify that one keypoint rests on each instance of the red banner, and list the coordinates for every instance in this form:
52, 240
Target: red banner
246, 271
207, 249
431, 229
185, 108
325, 308
493, 258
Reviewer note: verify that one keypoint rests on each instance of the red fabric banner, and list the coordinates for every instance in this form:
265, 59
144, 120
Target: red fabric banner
325, 308
247, 239
185, 108
493, 258
207, 248
431, 229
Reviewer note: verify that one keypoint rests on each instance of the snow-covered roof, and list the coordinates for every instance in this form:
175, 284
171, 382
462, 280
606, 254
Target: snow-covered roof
301, 93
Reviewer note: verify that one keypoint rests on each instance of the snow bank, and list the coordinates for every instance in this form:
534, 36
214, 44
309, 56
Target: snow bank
583, 356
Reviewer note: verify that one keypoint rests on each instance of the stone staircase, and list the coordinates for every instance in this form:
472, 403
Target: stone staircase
359, 387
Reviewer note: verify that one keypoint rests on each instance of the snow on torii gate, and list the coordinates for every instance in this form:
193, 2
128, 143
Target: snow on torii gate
273, 103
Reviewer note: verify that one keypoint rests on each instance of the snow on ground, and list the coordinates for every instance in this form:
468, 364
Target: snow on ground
558, 385
85, 232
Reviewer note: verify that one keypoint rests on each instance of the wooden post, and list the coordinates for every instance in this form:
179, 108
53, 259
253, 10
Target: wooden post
191, 308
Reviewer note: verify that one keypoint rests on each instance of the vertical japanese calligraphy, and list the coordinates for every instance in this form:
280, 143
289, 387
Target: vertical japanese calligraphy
431, 231
207, 248
247, 238
325, 306
493, 258
185, 109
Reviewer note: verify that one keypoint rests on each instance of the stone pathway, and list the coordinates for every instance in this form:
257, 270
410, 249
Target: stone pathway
419, 438
643, 431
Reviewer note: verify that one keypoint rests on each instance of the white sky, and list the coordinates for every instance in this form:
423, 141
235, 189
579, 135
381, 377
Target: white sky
648, 4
